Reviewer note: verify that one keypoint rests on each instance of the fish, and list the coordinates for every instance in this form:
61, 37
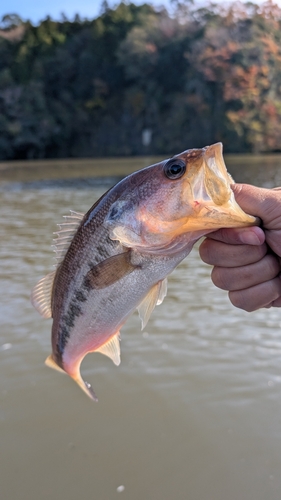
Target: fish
115, 259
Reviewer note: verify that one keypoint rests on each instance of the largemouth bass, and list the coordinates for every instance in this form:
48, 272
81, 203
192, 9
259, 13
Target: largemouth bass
116, 257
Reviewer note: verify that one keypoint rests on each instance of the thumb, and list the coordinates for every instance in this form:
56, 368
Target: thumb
260, 202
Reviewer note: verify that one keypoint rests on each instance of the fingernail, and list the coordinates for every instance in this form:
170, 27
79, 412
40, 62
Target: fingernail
249, 238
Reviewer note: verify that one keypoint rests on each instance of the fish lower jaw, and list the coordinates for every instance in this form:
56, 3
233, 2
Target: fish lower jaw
211, 216
217, 222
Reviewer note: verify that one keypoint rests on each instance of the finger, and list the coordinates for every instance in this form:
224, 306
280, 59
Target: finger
246, 276
276, 303
235, 236
261, 202
258, 296
220, 254
273, 239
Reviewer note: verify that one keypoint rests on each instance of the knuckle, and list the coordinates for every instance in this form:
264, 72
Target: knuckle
250, 254
258, 251
274, 288
273, 266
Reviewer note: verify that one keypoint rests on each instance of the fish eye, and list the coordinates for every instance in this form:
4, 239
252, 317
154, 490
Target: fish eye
174, 169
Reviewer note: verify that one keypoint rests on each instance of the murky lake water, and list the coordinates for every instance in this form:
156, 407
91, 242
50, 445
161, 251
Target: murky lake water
194, 410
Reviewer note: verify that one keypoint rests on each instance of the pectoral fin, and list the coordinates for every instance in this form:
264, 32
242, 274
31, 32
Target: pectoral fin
110, 270
154, 297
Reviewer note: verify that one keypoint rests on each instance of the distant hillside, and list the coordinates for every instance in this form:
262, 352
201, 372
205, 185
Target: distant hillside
136, 80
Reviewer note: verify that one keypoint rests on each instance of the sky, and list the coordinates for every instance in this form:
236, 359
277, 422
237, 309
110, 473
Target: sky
36, 10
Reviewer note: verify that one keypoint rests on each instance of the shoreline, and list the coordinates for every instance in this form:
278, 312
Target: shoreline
73, 168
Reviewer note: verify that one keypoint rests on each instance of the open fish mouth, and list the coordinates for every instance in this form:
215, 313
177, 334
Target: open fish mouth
214, 205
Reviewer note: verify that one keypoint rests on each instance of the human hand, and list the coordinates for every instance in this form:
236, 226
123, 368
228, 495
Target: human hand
247, 260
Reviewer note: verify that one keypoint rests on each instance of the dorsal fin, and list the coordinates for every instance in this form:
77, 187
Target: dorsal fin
154, 297
66, 233
42, 292
41, 295
111, 349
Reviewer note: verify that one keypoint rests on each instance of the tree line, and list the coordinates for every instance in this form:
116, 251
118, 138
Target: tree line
140, 80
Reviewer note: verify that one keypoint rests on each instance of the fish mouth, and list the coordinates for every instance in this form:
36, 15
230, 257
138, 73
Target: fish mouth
214, 205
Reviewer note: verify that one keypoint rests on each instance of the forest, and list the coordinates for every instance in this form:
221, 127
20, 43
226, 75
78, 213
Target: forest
140, 80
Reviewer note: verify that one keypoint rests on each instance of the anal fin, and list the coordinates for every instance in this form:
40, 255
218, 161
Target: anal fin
111, 349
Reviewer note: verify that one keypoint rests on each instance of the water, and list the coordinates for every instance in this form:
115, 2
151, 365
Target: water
194, 410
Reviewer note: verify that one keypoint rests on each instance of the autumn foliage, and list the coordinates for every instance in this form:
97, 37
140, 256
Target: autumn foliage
190, 77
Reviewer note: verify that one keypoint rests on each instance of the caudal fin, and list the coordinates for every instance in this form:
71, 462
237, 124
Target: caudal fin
85, 386
50, 362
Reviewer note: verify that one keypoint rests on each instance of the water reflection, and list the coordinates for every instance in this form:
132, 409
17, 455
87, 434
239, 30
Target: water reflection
193, 411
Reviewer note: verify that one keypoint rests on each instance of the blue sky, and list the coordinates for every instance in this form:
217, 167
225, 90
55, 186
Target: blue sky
35, 10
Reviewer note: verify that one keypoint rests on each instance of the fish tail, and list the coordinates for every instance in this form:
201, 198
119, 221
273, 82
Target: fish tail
50, 362
85, 386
